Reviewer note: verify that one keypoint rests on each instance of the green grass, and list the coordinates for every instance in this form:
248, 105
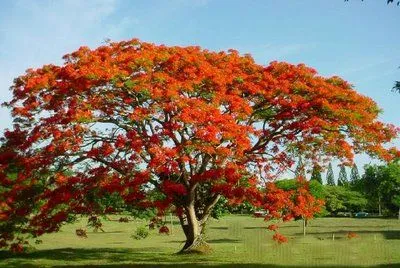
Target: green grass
240, 240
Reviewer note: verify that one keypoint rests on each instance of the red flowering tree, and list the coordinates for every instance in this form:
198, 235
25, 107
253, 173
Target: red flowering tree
297, 203
189, 123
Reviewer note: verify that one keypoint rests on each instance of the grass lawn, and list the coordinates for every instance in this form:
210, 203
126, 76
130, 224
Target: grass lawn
240, 240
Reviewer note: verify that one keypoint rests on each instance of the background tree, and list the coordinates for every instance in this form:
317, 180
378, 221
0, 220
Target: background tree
306, 199
316, 174
316, 189
342, 179
354, 175
341, 199
381, 185
300, 169
330, 177
389, 186
369, 186
191, 124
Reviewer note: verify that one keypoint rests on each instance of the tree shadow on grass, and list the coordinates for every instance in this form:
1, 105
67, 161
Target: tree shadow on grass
255, 227
126, 257
220, 228
105, 255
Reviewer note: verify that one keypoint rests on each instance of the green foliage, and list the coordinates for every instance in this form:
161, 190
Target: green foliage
368, 186
220, 209
316, 188
142, 213
354, 175
146, 212
330, 178
287, 184
141, 232
381, 185
111, 200
339, 198
389, 185
264, 113
316, 174
342, 180
243, 208
396, 200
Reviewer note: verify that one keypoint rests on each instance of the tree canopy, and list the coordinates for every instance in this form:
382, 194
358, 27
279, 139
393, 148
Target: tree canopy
330, 177
316, 174
342, 179
354, 174
189, 123
381, 184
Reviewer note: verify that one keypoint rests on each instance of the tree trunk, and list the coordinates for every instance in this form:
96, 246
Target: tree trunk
379, 206
304, 226
399, 213
192, 229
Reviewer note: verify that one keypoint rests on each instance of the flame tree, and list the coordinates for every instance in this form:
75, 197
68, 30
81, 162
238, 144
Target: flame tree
189, 123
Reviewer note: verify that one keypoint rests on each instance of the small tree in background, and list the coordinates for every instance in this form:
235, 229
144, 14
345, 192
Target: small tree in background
342, 180
316, 174
354, 175
330, 177
293, 199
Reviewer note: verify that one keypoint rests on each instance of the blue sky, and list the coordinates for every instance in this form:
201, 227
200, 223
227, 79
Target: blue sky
356, 40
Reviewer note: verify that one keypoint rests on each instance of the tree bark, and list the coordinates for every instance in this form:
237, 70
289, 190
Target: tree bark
193, 225
192, 229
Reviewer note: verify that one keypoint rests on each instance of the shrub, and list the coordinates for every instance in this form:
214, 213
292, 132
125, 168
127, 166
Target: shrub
164, 230
140, 233
351, 235
156, 221
81, 233
95, 223
152, 226
17, 248
279, 238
